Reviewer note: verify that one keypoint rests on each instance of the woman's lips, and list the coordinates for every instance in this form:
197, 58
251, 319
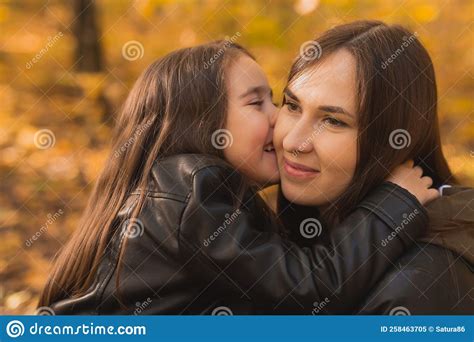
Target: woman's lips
297, 170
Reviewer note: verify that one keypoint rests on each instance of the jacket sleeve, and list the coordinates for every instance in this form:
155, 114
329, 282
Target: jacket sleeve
403, 293
423, 282
228, 246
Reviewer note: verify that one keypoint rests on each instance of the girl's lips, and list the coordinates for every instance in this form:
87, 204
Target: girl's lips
298, 170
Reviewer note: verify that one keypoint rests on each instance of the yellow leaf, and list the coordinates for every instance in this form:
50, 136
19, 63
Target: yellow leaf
425, 13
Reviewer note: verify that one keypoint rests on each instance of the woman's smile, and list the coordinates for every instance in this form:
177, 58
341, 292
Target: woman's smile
298, 171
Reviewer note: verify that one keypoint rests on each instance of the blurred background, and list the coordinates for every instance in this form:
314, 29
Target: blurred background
66, 67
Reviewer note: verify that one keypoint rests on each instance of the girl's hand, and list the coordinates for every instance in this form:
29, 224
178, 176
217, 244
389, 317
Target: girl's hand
411, 178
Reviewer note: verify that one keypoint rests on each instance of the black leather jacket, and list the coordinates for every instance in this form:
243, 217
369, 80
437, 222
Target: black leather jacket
191, 251
436, 276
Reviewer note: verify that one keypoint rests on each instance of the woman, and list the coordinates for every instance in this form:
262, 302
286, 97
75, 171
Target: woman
172, 225
348, 118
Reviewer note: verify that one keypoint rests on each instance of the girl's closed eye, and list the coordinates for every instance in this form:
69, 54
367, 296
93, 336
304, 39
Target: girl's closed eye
259, 102
256, 102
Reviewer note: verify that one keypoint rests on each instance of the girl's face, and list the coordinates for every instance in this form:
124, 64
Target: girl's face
316, 132
250, 121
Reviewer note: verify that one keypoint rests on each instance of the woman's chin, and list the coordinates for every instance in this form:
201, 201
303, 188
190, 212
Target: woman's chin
298, 195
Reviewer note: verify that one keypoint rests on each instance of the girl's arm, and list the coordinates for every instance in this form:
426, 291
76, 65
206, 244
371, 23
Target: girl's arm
231, 247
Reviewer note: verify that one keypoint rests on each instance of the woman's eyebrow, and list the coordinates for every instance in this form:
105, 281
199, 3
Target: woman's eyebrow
334, 109
290, 94
324, 108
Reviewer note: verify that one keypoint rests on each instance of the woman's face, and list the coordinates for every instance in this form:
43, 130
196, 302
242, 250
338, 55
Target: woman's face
316, 132
250, 121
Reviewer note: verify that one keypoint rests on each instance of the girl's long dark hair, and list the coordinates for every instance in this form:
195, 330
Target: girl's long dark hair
173, 108
398, 106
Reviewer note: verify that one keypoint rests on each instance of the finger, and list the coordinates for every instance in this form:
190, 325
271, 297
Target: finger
410, 163
428, 181
418, 171
432, 194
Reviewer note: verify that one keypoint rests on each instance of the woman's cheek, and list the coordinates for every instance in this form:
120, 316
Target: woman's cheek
338, 153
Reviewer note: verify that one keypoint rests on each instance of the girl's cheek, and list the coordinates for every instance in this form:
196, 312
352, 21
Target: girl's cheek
260, 129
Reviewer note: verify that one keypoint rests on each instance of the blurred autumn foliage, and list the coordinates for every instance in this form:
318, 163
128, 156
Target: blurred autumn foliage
65, 69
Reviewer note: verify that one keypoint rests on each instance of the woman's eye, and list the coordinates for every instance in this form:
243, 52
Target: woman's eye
334, 122
292, 107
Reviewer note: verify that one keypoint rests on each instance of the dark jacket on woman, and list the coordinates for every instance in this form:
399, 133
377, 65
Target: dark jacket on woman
436, 276
195, 250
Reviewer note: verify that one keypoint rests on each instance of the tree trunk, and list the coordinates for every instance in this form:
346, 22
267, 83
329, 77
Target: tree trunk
88, 53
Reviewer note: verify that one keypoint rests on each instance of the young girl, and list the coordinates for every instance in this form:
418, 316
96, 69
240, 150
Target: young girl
175, 226
379, 111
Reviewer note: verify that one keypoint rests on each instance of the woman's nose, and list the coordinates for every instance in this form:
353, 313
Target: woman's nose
298, 140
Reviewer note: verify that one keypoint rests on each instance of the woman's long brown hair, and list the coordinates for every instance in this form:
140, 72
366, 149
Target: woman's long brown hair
396, 91
173, 108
